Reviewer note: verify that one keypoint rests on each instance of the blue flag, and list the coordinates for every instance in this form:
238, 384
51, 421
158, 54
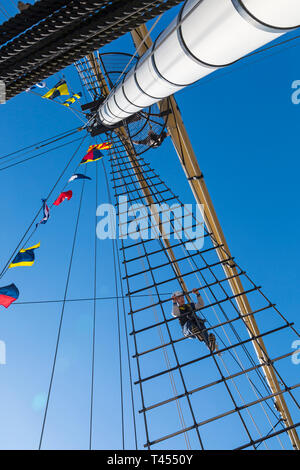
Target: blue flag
25, 257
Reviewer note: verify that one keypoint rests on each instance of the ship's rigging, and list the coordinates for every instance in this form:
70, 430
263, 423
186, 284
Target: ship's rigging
250, 378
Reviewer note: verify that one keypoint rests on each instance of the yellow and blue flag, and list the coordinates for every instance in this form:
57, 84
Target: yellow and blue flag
25, 257
72, 99
60, 89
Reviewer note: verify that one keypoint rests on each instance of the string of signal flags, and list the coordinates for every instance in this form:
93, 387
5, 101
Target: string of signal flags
26, 256
60, 89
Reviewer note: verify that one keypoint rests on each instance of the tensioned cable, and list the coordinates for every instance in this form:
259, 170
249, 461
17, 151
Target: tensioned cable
127, 349
83, 81
112, 297
39, 154
267, 435
31, 235
193, 262
119, 338
61, 316
94, 314
124, 321
256, 339
87, 77
3, 10
14, 3
181, 156
165, 353
38, 145
138, 48
113, 153
247, 408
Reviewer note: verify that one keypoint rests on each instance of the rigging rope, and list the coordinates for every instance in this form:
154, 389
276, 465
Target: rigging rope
112, 297
39, 154
2, 9
94, 313
137, 50
124, 319
38, 144
119, 339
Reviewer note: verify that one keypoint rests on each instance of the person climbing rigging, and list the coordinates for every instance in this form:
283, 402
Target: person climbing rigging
192, 325
153, 139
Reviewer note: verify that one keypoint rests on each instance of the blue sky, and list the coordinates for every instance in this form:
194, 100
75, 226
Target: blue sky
245, 131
